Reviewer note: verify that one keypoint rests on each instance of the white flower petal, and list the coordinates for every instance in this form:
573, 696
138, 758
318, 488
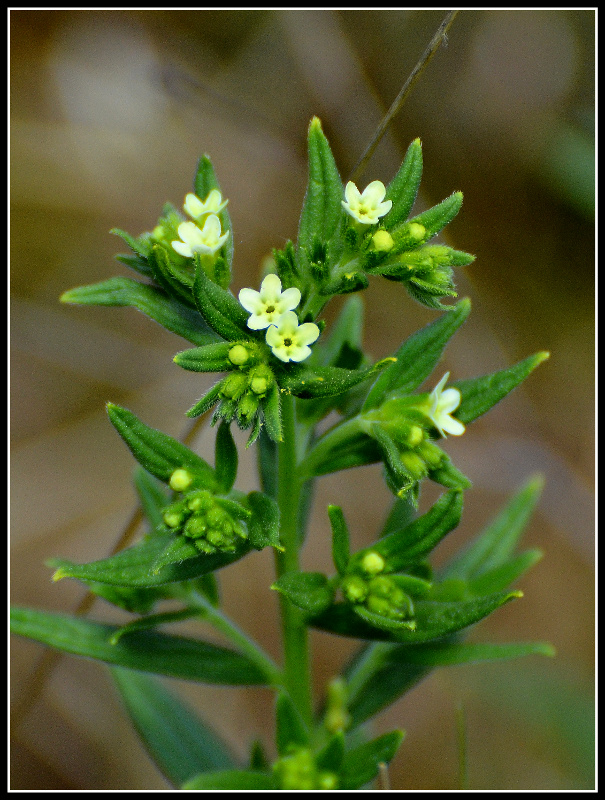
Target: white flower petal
290, 298
251, 301
307, 333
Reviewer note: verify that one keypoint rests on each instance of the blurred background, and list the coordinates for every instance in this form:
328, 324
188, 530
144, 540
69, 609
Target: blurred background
110, 111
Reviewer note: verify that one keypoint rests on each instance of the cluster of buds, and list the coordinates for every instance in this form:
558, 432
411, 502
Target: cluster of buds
214, 524
298, 770
384, 595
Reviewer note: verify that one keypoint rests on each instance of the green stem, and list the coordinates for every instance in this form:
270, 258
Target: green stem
224, 625
294, 631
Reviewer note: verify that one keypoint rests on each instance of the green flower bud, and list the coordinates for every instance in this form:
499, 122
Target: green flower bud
414, 464
382, 241
431, 454
172, 518
327, 780
238, 355
234, 385
247, 408
180, 480
416, 231
381, 586
215, 517
204, 546
415, 436
296, 771
195, 527
200, 501
261, 379
372, 563
380, 606
354, 589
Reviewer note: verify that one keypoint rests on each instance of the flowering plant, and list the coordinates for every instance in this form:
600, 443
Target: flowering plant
285, 371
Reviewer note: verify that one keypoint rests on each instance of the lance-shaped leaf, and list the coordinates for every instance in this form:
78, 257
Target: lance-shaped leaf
153, 497
308, 381
147, 651
360, 765
503, 576
310, 591
418, 356
322, 208
168, 276
159, 453
437, 217
138, 244
380, 673
332, 755
139, 600
404, 187
225, 458
205, 403
433, 619
496, 543
416, 540
481, 394
179, 743
150, 300
264, 523
236, 779
205, 181
340, 539
139, 566
219, 307
210, 358
290, 728
272, 414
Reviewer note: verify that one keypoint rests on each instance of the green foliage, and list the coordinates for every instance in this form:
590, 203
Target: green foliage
407, 617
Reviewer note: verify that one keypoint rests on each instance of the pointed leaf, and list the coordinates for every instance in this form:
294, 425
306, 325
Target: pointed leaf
210, 358
272, 414
418, 356
159, 453
225, 458
290, 728
219, 307
437, 217
481, 394
308, 381
177, 740
150, 300
404, 187
322, 208
340, 539
310, 591
152, 495
264, 524
236, 779
148, 651
360, 765
501, 577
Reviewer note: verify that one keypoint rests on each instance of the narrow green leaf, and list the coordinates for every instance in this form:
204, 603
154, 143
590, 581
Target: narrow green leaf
137, 566
225, 458
151, 621
137, 244
148, 651
404, 187
308, 381
219, 307
498, 540
239, 780
437, 217
322, 208
418, 356
310, 591
332, 755
433, 619
209, 358
340, 539
264, 523
206, 402
205, 181
416, 540
481, 394
177, 740
272, 414
360, 765
159, 453
139, 600
449, 654
504, 575
168, 277
150, 300
290, 728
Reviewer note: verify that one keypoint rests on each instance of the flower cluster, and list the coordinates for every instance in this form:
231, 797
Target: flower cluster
206, 239
274, 310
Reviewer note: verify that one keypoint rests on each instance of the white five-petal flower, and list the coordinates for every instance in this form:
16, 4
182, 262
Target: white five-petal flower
442, 403
366, 207
267, 306
288, 340
205, 240
211, 205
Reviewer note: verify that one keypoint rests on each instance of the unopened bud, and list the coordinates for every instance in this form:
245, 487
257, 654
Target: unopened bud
238, 355
382, 241
372, 563
355, 589
180, 480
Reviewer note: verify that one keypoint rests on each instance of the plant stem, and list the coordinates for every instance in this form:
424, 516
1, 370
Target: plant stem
294, 631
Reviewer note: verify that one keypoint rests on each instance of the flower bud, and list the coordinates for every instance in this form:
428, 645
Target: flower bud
172, 518
414, 464
354, 588
195, 527
372, 563
247, 408
180, 480
238, 355
415, 436
234, 385
261, 379
382, 241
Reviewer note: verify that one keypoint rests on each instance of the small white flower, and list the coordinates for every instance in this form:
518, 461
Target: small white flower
267, 306
211, 205
195, 240
289, 340
368, 206
442, 403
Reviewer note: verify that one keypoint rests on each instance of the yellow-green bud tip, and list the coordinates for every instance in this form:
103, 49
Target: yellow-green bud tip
238, 355
180, 480
417, 231
382, 241
372, 563
60, 573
